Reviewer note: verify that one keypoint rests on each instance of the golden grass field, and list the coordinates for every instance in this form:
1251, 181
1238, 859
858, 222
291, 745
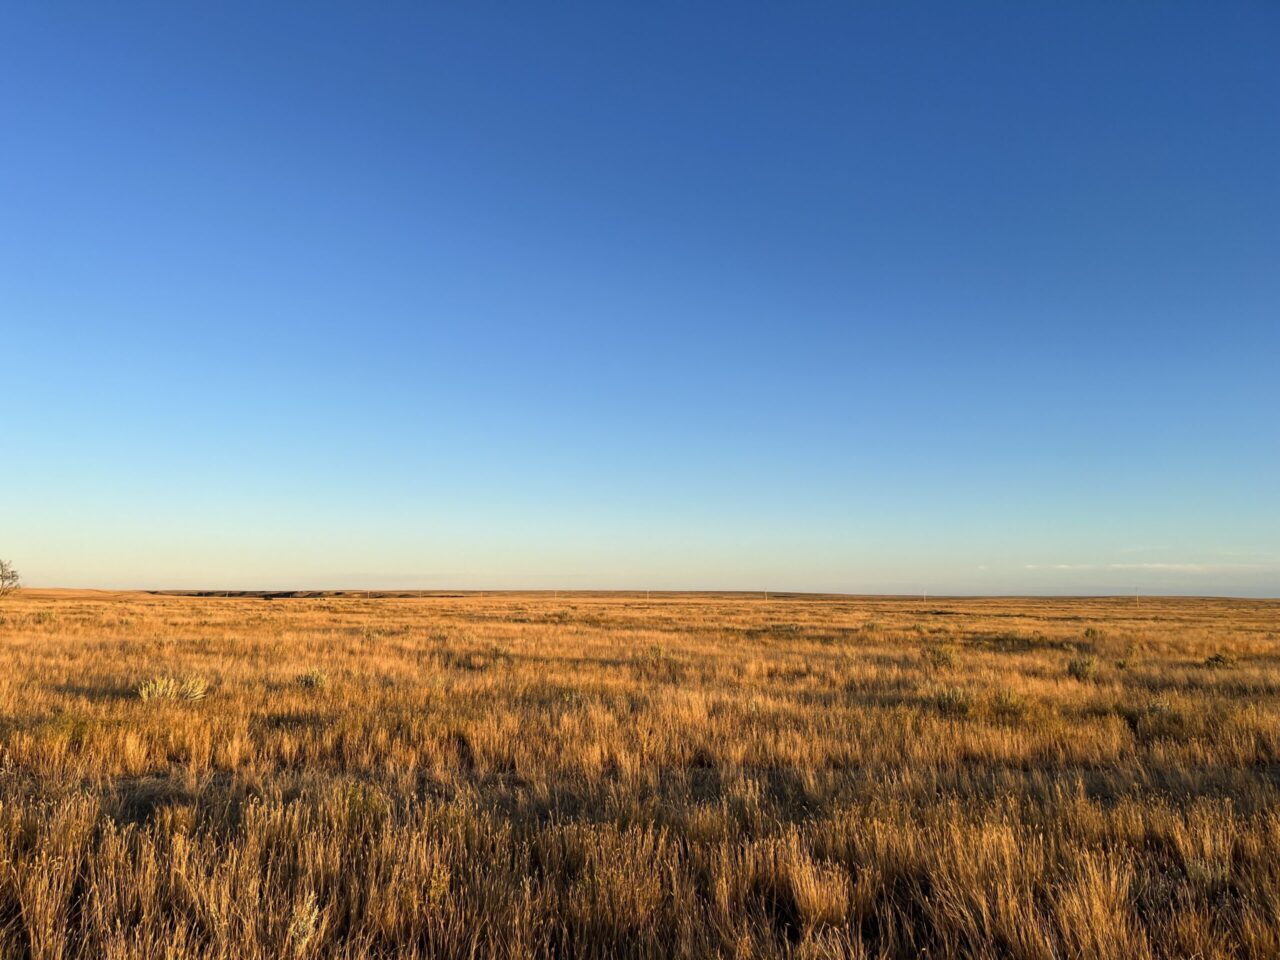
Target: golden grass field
595, 775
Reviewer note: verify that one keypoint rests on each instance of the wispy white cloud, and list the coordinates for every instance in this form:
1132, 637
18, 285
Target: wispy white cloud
1157, 567
1189, 567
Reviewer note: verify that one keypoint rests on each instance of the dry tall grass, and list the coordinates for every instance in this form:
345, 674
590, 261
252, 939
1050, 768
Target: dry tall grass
594, 776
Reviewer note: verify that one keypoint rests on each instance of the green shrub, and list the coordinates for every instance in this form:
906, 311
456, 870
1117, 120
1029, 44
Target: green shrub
1082, 668
938, 657
953, 701
1008, 704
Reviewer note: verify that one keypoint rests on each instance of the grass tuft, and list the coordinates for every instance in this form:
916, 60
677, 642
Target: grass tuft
190, 688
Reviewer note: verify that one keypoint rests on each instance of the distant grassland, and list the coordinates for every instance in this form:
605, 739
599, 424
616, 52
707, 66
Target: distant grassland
599, 776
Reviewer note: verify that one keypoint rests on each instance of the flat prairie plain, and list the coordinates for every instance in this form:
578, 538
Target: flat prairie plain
602, 775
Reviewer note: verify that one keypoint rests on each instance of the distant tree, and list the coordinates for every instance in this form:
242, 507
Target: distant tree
9, 578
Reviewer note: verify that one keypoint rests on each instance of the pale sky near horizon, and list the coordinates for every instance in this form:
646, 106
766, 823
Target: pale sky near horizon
866, 298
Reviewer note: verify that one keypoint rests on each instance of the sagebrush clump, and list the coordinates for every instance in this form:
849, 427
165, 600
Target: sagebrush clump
173, 688
1082, 668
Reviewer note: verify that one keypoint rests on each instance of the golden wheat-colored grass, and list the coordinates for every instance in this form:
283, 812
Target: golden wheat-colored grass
598, 776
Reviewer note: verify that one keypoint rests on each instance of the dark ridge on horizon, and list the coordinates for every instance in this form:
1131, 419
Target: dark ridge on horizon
659, 594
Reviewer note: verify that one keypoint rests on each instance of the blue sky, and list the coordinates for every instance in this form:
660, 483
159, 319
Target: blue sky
977, 298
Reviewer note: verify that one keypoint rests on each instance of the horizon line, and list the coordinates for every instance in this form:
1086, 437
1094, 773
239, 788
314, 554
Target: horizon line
447, 592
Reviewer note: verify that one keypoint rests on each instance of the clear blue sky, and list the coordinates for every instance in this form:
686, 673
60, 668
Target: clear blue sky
851, 296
